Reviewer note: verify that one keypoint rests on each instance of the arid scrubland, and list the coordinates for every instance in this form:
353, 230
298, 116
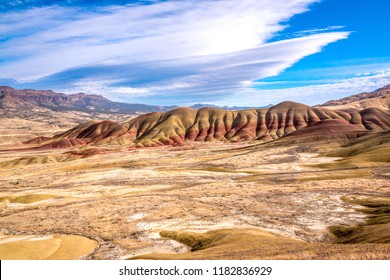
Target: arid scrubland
198, 201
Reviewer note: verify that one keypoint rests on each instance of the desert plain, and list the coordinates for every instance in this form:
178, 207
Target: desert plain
201, 200
177, 130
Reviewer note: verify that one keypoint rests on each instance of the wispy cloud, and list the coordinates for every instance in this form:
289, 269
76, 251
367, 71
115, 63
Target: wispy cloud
191, 78
313, 94
317, 30
17, 5
180, 49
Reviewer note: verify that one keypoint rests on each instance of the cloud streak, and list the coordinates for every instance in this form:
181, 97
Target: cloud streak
179, 50
312, 94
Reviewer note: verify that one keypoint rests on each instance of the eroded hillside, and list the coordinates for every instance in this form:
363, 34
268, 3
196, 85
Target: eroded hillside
211, 124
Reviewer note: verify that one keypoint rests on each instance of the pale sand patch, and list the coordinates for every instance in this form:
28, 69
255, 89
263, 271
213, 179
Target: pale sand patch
25, 199
136, 217
162, 245
53, 247
165, 246
6, 239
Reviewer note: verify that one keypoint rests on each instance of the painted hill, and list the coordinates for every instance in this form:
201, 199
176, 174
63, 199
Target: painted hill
379, 98
212, 124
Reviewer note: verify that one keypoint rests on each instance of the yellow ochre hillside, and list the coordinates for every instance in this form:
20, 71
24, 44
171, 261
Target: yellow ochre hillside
213, 124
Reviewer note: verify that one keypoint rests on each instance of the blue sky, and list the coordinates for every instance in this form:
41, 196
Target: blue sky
244, 53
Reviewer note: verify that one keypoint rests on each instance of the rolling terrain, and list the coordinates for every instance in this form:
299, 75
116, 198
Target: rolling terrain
27, 114
379, 98
210, 124
286, 182
11, 98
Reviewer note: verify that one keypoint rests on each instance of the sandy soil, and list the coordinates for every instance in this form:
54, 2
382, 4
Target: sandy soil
51, 247
44, 122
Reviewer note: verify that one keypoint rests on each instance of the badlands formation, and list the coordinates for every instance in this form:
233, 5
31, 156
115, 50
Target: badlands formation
285, 182
211, 124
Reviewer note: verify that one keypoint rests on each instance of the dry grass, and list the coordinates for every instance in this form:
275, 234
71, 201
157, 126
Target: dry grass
376, 229
258, 244
372, 149
338, 175
125, 197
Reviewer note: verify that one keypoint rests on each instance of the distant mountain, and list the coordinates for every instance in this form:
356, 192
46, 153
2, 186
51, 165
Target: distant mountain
29, 99
379, 98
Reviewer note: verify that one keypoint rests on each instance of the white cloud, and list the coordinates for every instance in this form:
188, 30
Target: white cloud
191, 48
228, 72
317, 30
199, 77
54, 39
94, 86
311, 95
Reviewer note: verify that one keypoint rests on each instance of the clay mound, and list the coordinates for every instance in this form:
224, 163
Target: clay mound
65, 143
81, 135
213, 124
288, 117
338, 130
373, 147
97, 130
74, 132
85, 153
162, 129
375, 119
38, 140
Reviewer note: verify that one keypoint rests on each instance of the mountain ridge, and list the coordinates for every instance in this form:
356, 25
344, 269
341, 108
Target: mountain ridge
29, 98
379, 98
11, 98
